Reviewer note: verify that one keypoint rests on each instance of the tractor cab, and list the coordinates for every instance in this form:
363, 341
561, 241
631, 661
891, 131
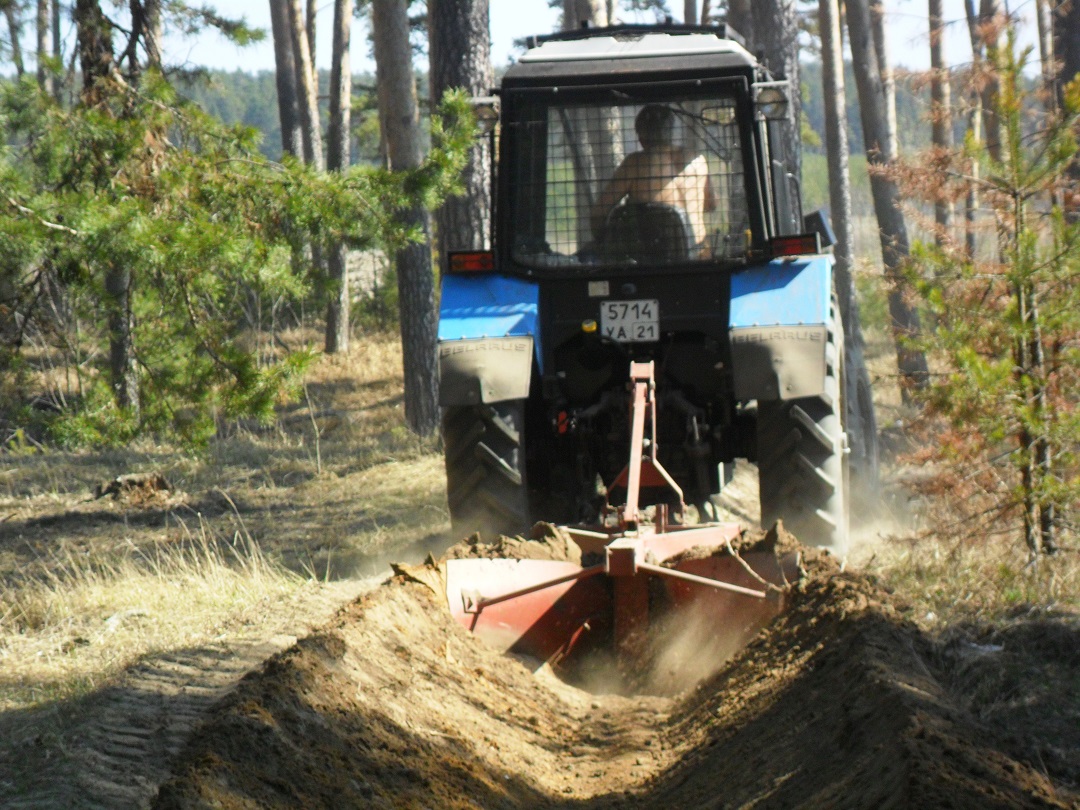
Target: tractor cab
640, 148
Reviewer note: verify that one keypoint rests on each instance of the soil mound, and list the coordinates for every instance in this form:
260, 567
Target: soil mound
835, 704
546, 541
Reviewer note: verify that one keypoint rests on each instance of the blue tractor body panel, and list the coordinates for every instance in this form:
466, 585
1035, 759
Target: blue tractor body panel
783, 292
779, 328
488, 337
488, 305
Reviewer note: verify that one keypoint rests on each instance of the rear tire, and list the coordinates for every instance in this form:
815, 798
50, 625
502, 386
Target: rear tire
485, 468
802, 459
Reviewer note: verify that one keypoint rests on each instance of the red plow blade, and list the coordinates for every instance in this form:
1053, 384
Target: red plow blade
550, 609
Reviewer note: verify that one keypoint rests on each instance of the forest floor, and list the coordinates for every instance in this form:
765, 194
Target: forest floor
232, 642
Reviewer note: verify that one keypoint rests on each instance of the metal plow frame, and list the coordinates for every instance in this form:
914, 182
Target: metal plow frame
547, 609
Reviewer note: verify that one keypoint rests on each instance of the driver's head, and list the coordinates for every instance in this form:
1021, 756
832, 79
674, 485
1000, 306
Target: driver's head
655, 126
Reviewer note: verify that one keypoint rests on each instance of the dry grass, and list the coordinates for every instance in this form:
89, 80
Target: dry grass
331, 491
986, 580
69, 629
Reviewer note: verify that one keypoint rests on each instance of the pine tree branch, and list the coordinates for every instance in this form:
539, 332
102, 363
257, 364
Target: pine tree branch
53, 226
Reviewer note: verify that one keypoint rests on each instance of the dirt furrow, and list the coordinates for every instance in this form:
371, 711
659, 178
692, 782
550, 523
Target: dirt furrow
115, 747
395, 705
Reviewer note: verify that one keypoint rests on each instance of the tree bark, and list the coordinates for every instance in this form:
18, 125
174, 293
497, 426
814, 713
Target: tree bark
399, 117
990, 21
14, 31
837, 150
145, 30
307, 92
1066, 24
888, 80
312, 11
97, 61
338, 158
153, 33
940, 107
861, 424
285, 75
895, 247
57, 45
44, 76
975, 128
1044, 20
740, 17
459, 42
1066, 28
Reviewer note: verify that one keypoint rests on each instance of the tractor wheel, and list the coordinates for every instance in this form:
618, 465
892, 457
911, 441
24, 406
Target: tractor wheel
485, 468
802, 459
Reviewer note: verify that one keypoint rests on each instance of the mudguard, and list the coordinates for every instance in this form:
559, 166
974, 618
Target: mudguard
779, 328
488, 329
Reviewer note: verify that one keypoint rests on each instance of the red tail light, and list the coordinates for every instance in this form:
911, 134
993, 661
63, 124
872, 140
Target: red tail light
471, 261
797, 245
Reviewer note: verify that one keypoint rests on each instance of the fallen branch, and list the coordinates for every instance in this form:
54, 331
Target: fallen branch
53, 226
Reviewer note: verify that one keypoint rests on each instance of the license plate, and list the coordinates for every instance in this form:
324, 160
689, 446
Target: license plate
631, 321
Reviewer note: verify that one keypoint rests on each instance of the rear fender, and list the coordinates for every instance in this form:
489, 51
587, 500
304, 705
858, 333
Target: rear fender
779, 328
488, 337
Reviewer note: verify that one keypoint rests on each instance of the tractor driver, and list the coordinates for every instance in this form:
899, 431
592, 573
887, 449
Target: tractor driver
660, 173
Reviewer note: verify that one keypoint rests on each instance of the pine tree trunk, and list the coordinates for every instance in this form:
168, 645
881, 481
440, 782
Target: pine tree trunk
990, 17
97, 61
312, 11
895, 247
1045, 25
399, 119
310, 122
154, 33
307, 91
1066, 27
44, 76
14, 29
740, 16
837, 151
1044, 452
57, 45
861, 423
338, 159
459, 42
146, 29
285, 75
885, 69
125, 383
940, 107
975, 130
1025, 441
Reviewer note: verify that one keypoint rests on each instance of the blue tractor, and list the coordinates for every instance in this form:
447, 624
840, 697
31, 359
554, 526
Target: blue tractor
645, 213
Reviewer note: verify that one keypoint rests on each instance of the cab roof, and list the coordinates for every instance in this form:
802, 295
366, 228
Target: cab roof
631, 49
